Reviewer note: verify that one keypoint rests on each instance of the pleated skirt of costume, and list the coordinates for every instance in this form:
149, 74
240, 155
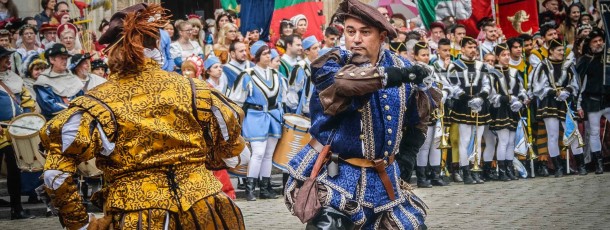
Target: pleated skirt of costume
461, 113
503, 118
213, 212
548, 107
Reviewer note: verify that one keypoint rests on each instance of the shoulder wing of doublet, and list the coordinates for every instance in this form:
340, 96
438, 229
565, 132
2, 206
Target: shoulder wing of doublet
100, 111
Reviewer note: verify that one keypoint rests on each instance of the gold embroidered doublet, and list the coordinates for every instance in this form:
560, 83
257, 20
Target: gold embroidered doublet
149, 117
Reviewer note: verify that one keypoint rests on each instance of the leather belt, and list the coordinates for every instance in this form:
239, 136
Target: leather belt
257, 107
378, 164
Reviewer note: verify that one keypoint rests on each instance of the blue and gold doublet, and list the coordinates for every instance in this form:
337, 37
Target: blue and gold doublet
370, 128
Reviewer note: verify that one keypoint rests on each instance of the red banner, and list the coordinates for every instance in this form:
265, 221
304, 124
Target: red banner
517, 17
480, 9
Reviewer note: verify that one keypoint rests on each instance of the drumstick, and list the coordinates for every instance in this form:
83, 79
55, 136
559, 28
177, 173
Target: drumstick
17, 126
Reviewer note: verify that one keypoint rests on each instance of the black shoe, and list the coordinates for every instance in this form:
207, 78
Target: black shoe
558, 166
250, 186
599, 167
502, 171
21, 215
266, 192
456, 176
467, 177
489, 174
580, 160
241, 183
275, 185
437, 180
4, 203
543, 169
422, 181
510, 169
476, 176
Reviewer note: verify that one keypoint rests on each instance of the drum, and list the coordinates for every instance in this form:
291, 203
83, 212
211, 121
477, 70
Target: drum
26, 141
242, 169
88, 169
295, 135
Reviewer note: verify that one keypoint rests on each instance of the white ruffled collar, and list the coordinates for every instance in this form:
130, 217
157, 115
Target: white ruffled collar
12, 81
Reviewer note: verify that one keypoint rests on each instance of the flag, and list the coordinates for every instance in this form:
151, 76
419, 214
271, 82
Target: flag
286, 9
517, 17
521, 145
256, 15
228, 4
570, 129
467, 12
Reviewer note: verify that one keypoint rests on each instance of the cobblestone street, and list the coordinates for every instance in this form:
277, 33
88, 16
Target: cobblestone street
571, 202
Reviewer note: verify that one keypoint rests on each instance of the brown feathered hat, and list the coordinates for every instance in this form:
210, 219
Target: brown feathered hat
365, 13
129, 29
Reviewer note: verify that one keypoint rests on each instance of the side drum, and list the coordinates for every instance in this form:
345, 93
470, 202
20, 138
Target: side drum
23, 131
295, 135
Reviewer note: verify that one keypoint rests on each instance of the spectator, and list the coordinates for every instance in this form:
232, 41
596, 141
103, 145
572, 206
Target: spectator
226, 35
568, 27
48, 7
49, 35
331, 36
196, 30
61, 7
169, 28
300, 21
29, 42
8, 9
184, 46
67, 36
286, 29
222, 19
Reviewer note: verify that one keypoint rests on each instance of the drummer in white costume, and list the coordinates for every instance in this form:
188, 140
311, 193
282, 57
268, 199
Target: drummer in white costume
14, 100
260, 90
80, 65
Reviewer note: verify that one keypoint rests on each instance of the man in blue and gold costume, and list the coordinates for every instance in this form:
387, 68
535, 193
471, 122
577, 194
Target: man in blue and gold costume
154, 134
360, 105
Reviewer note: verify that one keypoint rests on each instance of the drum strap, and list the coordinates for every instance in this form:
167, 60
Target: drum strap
9, 92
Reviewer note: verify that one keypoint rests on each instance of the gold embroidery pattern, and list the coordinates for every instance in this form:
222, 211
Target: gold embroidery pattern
156, 135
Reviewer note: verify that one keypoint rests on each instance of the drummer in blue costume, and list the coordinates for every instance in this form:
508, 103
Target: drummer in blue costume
260, 93
360, 105
56, 86
15, 99
238, 51
297, 74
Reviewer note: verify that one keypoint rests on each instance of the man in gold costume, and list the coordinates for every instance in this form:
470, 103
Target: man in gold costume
154, 135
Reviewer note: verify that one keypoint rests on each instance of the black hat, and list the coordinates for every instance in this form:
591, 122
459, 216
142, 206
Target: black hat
555, 43
4, 52
77, 59
499, 48
99, 63
593, 34
57, 49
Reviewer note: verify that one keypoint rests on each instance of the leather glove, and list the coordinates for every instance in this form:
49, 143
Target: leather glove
476, 104
414, 74
563, 95
516, 106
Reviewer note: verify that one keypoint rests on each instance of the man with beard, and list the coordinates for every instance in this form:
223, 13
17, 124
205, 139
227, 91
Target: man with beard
359, 109
594, 98
239, 62
491, 38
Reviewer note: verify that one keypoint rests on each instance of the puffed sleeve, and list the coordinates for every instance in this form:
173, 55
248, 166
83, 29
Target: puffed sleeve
47, 102
28, 103
221, 121
70, 138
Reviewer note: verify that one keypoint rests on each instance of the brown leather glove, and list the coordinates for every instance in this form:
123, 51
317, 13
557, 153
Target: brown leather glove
99, 224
